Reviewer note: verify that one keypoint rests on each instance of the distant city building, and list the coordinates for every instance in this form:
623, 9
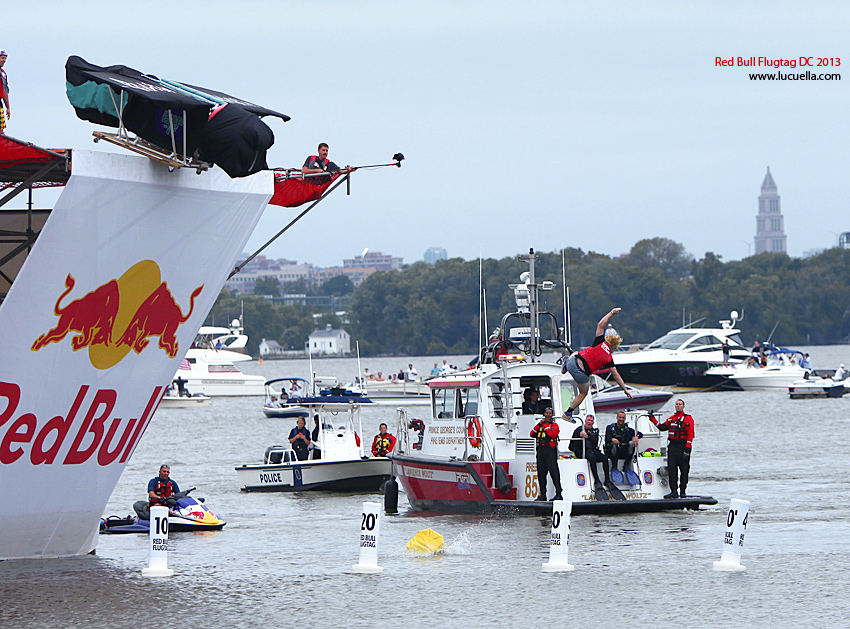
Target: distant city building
770, 230
844, 240
811, 253
329, 341
432, 254
374, 260
355, 274
286, 271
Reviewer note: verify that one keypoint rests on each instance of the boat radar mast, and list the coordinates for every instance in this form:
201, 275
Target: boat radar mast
732, 321
513, 340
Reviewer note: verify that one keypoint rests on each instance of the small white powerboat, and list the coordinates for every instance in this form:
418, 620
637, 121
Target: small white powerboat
336, 461
781, 371
177, 396
818, 387
609, 398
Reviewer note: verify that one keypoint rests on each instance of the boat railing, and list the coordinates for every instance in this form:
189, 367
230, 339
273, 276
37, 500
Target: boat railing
276, 455
487, 445
403, 428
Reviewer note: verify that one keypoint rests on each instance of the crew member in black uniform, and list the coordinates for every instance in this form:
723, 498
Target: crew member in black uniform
620, 442
531, 401
585, 445
679, 441
299, 437
546, 432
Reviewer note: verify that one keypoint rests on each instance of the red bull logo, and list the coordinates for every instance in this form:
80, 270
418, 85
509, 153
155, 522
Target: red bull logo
120, 316
27, 438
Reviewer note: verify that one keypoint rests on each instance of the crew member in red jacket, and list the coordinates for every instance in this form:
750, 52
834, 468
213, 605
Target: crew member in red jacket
384, 442
679, 440
315, 164
546, 432
598, 356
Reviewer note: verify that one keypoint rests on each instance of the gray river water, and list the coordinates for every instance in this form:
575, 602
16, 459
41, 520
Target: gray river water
285, 559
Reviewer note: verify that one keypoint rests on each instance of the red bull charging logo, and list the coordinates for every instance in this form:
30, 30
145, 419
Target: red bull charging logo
120, 316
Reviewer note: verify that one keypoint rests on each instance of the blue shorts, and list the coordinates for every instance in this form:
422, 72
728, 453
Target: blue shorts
578, 375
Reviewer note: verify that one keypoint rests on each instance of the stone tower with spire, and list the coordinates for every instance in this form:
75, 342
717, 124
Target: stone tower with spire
770, 226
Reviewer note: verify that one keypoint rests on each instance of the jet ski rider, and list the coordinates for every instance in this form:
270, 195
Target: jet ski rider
159, 489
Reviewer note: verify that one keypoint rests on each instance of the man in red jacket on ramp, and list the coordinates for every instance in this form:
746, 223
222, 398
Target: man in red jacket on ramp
679, 440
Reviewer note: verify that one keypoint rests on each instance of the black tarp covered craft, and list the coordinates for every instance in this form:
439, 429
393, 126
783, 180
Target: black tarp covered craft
172, 115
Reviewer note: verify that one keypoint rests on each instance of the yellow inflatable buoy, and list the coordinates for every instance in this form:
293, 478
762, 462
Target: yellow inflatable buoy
426, 542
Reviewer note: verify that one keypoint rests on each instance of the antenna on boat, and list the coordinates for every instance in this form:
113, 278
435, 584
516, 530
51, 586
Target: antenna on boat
771, 332
312, 373
360, 371
481, 328
566, 298
484, 297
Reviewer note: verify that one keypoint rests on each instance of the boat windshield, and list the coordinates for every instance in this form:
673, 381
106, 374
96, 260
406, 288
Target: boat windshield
568, 392
671, 340
444, 403
468, 406
703, 343
736, 338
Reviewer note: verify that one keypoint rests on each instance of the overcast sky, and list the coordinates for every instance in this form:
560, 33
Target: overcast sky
524, 124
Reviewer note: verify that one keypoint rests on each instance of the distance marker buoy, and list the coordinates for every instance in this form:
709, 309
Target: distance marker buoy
158, 563
370, 528
559, 545
733, 536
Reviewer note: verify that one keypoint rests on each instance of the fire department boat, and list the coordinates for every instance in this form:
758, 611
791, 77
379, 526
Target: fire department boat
475, 453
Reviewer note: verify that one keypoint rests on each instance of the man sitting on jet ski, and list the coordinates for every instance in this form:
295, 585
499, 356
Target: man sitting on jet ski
160, 490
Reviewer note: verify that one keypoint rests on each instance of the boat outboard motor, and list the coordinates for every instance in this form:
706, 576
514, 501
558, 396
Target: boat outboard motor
274, 455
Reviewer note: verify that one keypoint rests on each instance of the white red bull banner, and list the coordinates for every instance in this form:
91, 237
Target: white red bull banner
96, 324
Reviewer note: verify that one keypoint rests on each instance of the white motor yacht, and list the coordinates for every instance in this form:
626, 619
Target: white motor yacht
681, 358
214, 373
231, 339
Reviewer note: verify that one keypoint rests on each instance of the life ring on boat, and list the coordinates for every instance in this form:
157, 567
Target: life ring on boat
473, 431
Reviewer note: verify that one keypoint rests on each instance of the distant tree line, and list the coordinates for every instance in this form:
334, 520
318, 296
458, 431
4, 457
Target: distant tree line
433, 309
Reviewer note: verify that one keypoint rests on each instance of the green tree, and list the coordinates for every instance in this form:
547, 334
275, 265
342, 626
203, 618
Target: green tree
667, 255
337, 286
267, 285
